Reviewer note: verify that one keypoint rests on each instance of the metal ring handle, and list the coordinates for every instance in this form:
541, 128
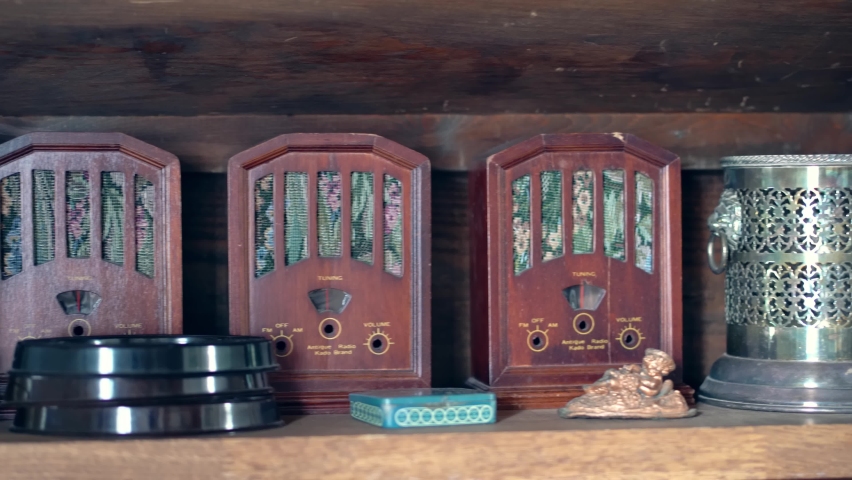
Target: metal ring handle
717, 269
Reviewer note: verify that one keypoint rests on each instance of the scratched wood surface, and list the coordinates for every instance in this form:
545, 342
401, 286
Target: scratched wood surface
703, 292
459, 142
717, 443
190, 57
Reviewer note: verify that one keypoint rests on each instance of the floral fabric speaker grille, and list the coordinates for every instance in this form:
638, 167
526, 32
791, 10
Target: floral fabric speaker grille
89, 238
337, 270
576, 263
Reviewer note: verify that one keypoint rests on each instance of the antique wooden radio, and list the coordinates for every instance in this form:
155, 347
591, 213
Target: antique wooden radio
328, 256
89, 238
576, 264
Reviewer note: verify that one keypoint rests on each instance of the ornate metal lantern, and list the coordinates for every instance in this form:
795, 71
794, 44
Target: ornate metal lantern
785, 228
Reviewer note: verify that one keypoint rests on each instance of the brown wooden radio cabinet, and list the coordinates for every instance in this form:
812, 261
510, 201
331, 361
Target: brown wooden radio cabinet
576, 264
328, 256
90, 239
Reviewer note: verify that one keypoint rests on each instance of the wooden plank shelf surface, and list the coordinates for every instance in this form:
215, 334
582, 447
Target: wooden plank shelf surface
461, 142
718, 443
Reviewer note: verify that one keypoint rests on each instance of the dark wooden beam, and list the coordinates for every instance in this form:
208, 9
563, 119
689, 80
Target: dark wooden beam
193, 57
457, 142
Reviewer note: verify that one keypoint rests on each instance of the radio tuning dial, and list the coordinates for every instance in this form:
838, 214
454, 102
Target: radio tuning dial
330, 328
584, 323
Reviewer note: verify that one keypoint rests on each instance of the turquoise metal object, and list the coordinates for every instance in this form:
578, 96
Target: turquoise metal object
424, 407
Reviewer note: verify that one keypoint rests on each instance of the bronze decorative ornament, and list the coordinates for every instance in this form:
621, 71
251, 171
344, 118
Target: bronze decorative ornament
632, 391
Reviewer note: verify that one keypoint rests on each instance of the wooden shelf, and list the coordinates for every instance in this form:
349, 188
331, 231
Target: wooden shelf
197, 57
461, 142
718, 443
204, 79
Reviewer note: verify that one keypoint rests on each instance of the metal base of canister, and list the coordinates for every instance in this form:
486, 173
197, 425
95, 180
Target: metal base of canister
779, 385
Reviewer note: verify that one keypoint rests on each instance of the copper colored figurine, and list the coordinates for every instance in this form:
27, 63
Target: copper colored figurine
632, 392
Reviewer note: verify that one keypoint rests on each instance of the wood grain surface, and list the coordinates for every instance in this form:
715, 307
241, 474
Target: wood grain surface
190, 57
718, 443
459, 142
704, 334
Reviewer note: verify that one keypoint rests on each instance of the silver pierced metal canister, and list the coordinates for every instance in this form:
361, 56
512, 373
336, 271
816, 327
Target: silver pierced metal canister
784, 226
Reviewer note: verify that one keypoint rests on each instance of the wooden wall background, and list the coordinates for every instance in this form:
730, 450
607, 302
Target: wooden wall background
205, 79
380, 57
